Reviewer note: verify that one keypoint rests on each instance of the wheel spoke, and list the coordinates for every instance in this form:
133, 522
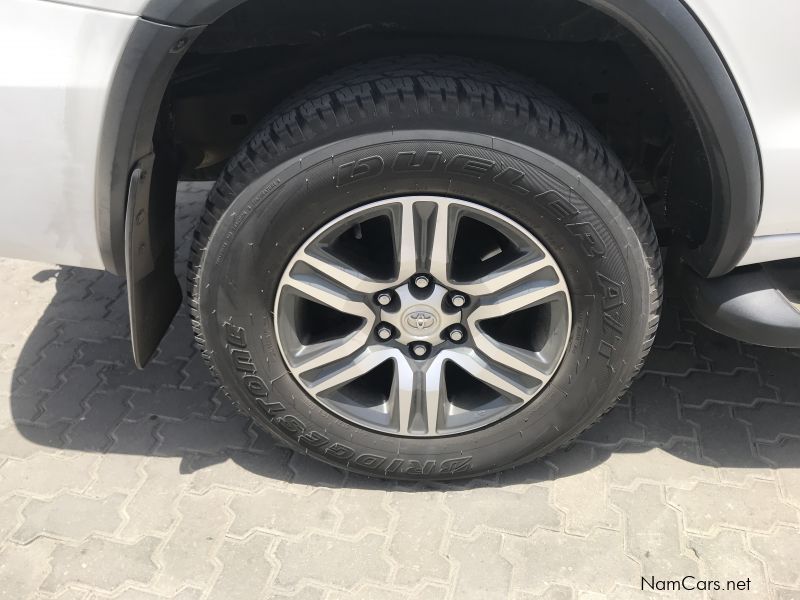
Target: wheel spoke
406, 243
434, 394
487, 373
439, 243
352, 368
500, 353
502, 306
402, 393
326, 353
324, 292
515, 300
342, 274
507, 277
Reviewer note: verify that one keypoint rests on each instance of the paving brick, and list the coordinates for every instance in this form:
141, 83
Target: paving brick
10, 517
92, 432
512, 512
519, 478
22, 440
778, 368
756, 507
202, 435
172, 403
784, 456
71, 594
289, 513
723, 353
69, 516
240, 471
46, 373
189, 555
23, 569
102, 564
769, 421
304, 592
363, 510
742, 388
680, 359
332, 561
67, 402
581, 491
678, 466
374, 592
151, 509
614, 429
45, 474
726, 442
657, 409
779, 551
136, 594
623, 592
116, 473
307, 471
724, 558
596, 562
246, 569
482, 571
126, 375
553, 592
653, 533
417, 544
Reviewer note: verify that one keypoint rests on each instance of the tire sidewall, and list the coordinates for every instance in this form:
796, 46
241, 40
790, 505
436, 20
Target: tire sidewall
591, 239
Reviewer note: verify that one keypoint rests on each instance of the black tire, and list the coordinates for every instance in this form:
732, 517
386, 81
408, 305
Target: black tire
282, 185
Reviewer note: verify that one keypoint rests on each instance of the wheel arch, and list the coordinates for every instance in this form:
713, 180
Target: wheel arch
703, 79
668, 29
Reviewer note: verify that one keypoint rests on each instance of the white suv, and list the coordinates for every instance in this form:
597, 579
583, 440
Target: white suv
434, 247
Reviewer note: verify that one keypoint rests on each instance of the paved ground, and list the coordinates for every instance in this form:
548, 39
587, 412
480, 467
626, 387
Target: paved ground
116, 483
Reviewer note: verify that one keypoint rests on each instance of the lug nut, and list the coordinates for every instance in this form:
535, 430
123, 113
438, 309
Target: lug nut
458, 300
384, 332
384, 299
422, 281
457, 335
419, 350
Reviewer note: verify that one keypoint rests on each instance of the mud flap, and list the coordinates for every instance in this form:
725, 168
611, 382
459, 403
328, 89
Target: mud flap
154, 294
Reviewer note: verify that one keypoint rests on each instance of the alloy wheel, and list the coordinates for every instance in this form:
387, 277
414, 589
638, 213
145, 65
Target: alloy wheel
422, 316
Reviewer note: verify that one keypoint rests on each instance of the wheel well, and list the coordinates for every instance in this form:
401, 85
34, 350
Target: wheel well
257, 54
645, 74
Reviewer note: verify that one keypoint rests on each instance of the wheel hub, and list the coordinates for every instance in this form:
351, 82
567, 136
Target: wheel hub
420, 315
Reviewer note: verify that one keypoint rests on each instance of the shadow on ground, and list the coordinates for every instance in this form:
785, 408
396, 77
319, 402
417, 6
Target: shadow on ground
702, 398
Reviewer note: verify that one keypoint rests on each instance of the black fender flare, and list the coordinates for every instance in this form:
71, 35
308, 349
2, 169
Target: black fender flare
668, 28
698, 70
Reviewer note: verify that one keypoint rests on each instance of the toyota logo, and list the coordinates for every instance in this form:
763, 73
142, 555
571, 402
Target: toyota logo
420, 320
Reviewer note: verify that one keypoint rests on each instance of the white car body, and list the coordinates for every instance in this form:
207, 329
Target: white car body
57, 62
763, 55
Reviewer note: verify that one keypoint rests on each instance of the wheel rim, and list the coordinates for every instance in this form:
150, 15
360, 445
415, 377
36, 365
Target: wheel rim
422, 316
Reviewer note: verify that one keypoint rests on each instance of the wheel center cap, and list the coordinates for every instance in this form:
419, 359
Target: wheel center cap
420, 318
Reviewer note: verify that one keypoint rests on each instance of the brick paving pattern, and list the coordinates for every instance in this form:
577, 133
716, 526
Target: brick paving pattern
116, 483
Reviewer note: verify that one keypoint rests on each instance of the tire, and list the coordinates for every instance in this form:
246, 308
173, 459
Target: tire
499, 142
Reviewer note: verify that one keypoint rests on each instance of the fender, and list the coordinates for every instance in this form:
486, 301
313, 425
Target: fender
667, 27
688, 54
